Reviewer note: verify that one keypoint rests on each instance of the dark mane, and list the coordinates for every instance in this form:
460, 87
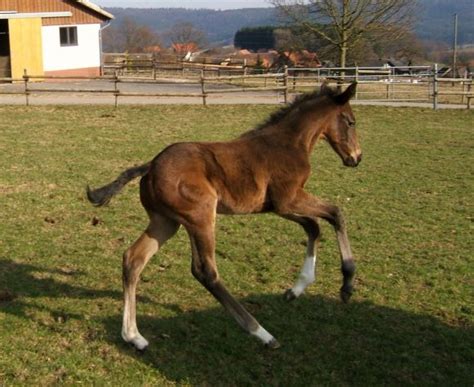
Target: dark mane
300, 100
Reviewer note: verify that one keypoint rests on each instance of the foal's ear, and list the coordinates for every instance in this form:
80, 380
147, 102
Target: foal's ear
345, 96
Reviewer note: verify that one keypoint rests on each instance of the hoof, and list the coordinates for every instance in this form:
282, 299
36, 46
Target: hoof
346, 294
273, 344
139, 343
139, 348
290, 295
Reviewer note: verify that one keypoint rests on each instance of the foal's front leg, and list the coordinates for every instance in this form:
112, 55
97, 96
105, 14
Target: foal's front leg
307, 274
308, 206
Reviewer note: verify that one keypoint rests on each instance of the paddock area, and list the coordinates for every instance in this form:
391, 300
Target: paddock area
408, 206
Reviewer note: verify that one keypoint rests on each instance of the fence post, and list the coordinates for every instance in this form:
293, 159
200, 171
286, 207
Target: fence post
285, 83
203, 89
116, 90
469, 87
435, 86
392, 79
27, 93
357, 81
389, 81
464, 85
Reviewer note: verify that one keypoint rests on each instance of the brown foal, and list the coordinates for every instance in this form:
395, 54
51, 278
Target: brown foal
264, 170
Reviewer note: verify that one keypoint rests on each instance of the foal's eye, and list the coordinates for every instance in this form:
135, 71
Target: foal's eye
350, 122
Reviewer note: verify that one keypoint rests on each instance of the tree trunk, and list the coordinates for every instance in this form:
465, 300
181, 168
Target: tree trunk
342, 63
343, 55
344, 36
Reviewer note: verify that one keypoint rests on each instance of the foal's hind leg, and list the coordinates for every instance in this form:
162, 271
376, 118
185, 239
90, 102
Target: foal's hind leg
204, 270
135, 258
308, 272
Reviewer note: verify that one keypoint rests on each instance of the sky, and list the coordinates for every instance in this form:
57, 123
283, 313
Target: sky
212, 4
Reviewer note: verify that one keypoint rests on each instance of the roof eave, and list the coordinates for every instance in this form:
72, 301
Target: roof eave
96, 8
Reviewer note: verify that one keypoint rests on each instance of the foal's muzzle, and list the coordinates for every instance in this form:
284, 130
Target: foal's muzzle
353, 161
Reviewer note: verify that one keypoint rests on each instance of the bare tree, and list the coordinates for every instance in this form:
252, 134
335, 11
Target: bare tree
185, 33
130, 36
138, 37
406, 48
342, 23
291, 39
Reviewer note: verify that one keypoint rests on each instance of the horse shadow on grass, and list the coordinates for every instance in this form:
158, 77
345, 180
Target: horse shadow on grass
22, 283
323, 342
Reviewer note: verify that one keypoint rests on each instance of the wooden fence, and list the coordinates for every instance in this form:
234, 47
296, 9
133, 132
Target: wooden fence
407, 84
182, 69
422, 84
235, 84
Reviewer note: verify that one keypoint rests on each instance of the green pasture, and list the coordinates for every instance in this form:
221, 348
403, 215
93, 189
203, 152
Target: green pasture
409, 209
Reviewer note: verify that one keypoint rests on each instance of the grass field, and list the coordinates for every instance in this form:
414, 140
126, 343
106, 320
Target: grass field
409, 209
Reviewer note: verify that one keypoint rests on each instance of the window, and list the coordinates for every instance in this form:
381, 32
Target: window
68, 36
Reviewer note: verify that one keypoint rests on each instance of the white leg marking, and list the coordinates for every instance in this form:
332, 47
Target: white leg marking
306, 277
129, 327
132, 336
138, 341
263, 335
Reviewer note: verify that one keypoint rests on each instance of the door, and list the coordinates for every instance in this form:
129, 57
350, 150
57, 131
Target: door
4, 49
26, 48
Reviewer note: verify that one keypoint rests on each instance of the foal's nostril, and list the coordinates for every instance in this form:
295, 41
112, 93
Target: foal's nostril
353, 160
350, 162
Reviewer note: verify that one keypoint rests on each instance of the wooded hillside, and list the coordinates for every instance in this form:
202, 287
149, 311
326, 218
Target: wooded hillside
435, 20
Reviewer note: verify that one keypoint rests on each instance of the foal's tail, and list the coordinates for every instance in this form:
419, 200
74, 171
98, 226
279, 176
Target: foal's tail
101, 196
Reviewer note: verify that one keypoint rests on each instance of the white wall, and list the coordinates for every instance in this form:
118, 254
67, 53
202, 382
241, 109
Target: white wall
85, 54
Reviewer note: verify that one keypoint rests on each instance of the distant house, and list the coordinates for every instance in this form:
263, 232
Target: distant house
184, 48
51, 37
152, 49
302, 58
274, 59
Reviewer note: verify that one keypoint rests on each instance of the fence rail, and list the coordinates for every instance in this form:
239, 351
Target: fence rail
421, 83
153, 68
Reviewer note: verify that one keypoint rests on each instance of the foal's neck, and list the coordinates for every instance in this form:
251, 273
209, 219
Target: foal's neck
305, 130
296, 127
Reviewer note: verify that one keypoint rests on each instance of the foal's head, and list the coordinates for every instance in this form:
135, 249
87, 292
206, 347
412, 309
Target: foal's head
340, 131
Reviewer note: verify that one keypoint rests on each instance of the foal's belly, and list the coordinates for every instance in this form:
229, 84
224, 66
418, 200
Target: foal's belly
246, 204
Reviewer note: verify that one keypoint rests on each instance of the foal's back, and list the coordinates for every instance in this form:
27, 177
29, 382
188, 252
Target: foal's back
232, 176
